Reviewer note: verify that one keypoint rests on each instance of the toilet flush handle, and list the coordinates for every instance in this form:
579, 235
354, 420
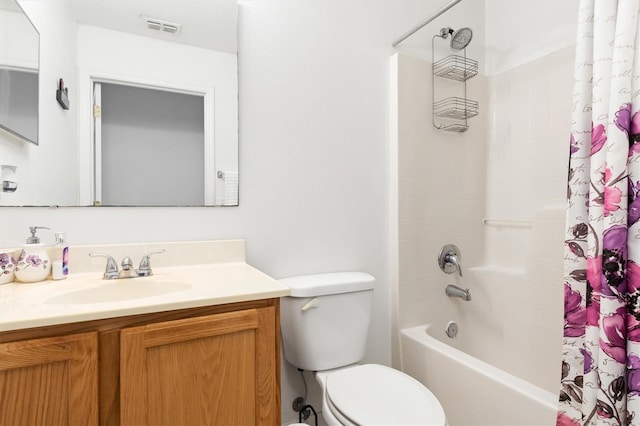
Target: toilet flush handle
310, 304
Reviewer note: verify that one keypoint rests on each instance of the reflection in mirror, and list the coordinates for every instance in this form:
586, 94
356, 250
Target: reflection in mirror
176, 46
18, 73
150, 144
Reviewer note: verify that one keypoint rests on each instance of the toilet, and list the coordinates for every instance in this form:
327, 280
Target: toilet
324, 324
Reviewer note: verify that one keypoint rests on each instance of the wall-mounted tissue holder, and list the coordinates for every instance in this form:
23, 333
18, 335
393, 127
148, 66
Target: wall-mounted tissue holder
9, 178
62, 95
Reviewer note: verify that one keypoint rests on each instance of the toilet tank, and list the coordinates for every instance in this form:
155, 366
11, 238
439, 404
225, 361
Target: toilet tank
325, 320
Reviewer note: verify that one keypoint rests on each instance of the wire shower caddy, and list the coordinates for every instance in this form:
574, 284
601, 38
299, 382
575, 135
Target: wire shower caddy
451, 114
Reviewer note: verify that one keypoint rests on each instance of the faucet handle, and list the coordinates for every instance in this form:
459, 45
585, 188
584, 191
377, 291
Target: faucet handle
111, 270
145, 263
449, 259
453, 259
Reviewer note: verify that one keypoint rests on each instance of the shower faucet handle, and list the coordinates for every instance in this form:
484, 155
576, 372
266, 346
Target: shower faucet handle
449, 259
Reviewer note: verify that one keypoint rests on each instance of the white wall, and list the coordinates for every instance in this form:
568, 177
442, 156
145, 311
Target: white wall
520, 31
313, 154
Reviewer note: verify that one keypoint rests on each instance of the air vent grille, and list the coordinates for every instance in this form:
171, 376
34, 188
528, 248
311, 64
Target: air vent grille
161, 25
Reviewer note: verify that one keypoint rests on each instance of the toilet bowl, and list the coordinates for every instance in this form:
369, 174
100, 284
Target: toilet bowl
373, 394
324, 324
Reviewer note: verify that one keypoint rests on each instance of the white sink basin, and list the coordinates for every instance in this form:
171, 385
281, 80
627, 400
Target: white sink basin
118, 291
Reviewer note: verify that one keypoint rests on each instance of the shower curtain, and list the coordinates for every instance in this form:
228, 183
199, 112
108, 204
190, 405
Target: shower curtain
601, 346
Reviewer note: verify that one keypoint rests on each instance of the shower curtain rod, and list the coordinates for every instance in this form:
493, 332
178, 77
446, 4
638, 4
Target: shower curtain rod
418, 27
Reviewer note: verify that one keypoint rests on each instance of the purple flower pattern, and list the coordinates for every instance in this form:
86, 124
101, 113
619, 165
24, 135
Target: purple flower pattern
574, 313
634, 200
588, 360
633, 375
598, 138
600, 382
7, 263
615, 335
623, 118
573, 146
31, 260
614, 259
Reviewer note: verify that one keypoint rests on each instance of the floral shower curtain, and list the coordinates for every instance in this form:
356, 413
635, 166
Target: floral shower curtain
601, 347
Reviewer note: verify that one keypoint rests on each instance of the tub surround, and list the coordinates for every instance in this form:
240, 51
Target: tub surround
189, 274
514, 274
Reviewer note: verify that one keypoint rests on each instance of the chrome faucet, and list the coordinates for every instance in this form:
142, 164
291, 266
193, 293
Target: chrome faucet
455, 291
128, 271
449, 259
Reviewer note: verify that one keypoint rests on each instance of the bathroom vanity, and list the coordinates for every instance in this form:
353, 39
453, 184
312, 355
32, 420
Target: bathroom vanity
206, 352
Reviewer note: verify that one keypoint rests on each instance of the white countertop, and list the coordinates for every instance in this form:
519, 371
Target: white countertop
52, 302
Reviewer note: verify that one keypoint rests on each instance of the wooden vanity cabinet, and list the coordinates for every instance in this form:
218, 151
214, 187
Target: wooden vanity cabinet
50, 381
215, 365
210, 370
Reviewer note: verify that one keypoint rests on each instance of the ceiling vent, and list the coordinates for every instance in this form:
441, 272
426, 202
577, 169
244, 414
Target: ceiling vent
160, 25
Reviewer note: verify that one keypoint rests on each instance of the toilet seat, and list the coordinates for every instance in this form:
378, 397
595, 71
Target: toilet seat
373, 394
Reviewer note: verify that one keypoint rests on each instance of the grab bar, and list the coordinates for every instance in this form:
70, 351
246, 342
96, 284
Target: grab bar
510, 223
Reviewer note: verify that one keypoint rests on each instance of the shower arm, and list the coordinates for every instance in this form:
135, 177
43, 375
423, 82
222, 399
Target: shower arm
418, 27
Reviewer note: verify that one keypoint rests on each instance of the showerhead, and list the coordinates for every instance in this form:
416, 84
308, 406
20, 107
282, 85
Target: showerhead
459, 38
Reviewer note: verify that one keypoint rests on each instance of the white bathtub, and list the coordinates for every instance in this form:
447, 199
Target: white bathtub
471, 391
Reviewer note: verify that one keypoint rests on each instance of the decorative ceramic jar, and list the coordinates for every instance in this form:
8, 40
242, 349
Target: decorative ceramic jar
33, 264
7, 266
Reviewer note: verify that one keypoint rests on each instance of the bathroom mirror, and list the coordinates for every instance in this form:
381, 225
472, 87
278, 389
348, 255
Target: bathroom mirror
19, 45
186, 47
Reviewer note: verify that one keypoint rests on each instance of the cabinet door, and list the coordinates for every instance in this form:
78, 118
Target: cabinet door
213, 370
50, 381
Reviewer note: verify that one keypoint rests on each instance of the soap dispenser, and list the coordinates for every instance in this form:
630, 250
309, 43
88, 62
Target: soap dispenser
60, 257
33, 264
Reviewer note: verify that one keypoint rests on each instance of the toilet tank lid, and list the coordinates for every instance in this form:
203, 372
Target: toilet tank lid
326, 284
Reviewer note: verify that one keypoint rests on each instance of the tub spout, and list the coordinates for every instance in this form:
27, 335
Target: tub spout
455, 291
